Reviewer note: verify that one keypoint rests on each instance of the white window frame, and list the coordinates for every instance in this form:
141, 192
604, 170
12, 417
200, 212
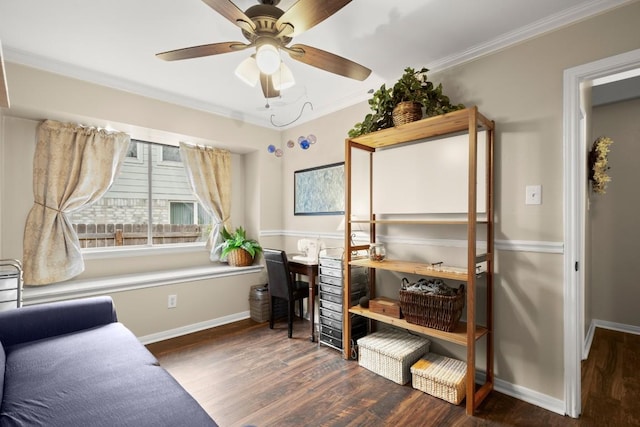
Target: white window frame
196, 208
111, 252
139, 158
167, 162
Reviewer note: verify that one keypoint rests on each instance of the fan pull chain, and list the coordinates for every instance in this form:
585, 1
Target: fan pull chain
294, 120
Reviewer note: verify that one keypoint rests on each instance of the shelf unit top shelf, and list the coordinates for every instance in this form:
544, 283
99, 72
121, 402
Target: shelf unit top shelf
449, 123
410, 267
458, 336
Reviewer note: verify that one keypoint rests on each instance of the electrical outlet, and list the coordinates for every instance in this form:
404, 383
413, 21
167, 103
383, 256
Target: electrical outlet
533, 195
172, 301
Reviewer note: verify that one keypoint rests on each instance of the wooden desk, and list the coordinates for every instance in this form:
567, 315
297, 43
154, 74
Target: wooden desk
309, 269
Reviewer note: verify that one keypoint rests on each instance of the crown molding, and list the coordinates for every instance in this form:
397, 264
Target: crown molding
4, 91
535, 29
28, 59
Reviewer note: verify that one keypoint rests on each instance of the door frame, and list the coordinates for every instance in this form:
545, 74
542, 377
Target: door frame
574, 216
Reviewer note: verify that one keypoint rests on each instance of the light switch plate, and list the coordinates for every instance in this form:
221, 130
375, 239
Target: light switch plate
533, 195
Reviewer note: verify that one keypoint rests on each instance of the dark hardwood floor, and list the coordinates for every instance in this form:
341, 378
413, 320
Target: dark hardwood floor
611, 379
245, 374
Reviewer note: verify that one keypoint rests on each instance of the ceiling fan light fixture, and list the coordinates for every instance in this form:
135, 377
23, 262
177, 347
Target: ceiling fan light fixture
283, 78
248, 71
268, 58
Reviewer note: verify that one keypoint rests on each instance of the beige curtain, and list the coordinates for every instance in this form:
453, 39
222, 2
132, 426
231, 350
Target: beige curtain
209, 173
73, 167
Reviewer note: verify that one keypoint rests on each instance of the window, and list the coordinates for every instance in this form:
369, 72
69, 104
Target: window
149, 203
188, 213
134, 153
170, 154
133, 149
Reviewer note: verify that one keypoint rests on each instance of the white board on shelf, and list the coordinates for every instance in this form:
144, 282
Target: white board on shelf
429, 177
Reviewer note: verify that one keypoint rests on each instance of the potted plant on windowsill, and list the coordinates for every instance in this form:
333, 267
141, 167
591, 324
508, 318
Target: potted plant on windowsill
239, 251
411, 96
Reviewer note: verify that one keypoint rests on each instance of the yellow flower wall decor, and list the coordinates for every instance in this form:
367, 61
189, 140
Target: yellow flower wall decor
598, 164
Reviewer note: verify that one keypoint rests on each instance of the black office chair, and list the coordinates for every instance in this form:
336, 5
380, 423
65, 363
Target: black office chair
283, 285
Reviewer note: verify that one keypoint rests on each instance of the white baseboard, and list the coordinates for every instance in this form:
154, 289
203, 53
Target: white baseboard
605, 324
525, 394
196, 327
620, 327
588, 340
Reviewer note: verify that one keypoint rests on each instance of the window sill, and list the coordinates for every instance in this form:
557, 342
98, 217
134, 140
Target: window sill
103, 285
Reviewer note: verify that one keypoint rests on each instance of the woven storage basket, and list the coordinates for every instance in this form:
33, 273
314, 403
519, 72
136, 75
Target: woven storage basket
239, 258
441, 377
391, 353
433, 311
259, 303
406, 112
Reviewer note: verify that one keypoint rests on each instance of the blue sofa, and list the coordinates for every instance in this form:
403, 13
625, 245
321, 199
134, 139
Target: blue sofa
71, 363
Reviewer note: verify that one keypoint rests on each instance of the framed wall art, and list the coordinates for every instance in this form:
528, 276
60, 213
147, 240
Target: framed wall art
319, 190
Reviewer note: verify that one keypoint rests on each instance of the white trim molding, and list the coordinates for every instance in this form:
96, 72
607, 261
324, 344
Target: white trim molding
530, 246
614, 326
4, 91
196, 327
535, 29
127, 282
525, 394
588, 340
502, 245
530, 396
574, 189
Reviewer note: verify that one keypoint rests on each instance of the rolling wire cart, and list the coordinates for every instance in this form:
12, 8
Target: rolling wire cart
10, 284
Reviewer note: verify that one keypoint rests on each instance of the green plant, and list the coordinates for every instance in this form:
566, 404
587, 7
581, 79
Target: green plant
381, 104
411, 86
238, 240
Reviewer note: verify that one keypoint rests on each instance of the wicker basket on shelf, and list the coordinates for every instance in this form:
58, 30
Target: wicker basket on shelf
406, 112
239, 258
433, 311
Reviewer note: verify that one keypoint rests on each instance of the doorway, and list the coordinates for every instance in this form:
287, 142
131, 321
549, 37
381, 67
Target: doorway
574, 215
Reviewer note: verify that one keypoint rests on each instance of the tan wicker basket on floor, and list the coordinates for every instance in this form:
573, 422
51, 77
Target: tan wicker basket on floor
391, 353
441, 377
433, 311
239, 258
406, 112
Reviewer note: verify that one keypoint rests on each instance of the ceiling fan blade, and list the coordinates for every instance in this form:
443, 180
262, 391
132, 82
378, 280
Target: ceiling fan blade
267, 86
203, 50
328, 61
227, 9
307, 13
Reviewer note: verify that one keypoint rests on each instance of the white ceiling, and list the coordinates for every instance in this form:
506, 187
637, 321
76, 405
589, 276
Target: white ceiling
114, 42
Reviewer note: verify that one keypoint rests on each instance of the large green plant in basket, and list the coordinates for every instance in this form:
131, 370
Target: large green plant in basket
239, 250
412, 86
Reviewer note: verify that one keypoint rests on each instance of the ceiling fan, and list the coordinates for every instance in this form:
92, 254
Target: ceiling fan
270, 30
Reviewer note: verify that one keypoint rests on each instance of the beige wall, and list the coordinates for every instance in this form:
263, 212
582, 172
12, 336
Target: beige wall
520, 88
37, 95
615, 231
